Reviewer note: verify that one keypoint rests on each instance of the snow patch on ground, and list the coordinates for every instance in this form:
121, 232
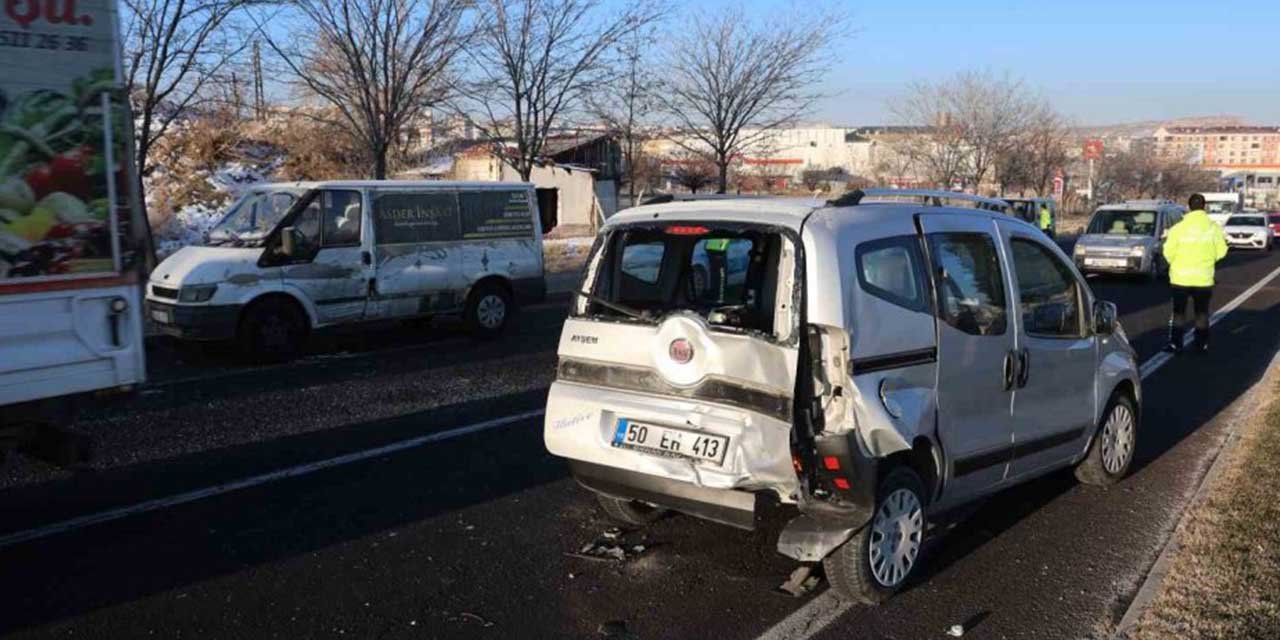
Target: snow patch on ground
188, 225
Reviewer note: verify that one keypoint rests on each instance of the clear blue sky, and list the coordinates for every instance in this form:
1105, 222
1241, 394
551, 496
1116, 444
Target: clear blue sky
1099, 61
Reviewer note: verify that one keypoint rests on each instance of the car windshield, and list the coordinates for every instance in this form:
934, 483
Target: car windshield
254, 216
728, 276
1247, 221
1219, 206
1123, 222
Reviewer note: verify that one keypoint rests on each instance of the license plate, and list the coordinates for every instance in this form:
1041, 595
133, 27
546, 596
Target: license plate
669, 442
160, 316
1105, 262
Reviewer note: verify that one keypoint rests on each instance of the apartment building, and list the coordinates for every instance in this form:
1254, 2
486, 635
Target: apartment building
1247, 157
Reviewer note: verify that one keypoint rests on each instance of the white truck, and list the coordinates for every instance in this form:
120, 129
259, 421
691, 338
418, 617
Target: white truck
72, 234
1221, 206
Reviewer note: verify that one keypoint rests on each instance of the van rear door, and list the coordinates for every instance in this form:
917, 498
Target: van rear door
682, 364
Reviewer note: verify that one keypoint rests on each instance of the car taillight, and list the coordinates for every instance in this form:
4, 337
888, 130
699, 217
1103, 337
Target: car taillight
687, 230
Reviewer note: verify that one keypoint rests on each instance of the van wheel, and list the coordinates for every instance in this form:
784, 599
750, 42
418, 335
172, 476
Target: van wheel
1111, 452
630, 512
488, 310
272, 331
876, 562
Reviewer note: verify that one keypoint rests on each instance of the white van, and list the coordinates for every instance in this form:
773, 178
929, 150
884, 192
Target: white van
288, 258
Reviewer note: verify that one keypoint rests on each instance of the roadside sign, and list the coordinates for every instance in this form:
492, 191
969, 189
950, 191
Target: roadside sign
1093, 149
1059, 185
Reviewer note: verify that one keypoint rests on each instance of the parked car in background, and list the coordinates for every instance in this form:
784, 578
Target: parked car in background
1127, 238
1249, 231
1029, 209
882, 364
1273, 219
289, 258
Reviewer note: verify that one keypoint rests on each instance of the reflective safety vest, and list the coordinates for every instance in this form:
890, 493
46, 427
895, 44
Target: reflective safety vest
1192, 249
717, 244
1046, 220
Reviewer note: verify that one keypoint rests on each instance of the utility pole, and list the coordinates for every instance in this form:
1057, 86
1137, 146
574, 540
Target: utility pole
259, 101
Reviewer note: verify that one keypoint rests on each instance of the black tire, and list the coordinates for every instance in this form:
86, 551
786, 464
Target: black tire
272, 330
629, 512
849, 568
488, 310
1099, 467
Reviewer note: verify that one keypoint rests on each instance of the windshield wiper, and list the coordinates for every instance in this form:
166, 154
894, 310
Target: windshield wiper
620, 308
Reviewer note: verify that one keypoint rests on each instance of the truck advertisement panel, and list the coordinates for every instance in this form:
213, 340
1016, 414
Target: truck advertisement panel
65, 171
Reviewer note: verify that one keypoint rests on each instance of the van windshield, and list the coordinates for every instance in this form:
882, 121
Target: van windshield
1122, 222
729, 276
253, 216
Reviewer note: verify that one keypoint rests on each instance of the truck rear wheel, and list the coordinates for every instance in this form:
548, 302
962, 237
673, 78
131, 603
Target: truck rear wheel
272, 331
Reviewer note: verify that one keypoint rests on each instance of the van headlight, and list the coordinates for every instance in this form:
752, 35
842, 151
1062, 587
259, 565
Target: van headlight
1138, 251
1079, 250
197, 293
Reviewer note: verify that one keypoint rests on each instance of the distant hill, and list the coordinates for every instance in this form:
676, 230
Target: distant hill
1146, 128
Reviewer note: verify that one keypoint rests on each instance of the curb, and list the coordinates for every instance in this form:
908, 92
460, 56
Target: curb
1242, 410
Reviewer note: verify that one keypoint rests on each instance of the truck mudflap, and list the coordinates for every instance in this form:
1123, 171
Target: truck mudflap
726, 506
840, 502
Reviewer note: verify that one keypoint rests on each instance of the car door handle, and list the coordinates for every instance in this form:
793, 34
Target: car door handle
1008, 371
1024, 367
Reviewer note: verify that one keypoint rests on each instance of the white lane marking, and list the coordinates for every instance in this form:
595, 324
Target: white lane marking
824, 609
253, 481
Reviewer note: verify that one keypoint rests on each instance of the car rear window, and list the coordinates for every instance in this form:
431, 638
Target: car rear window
728, 275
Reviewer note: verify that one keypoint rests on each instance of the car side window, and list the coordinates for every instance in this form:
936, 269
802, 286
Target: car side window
341, 212
1048, 294
892, 269
969, 282
307, 229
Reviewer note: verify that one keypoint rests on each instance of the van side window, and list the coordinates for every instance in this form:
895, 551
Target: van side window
341, 212
1048, 297
307, 227
495, 214
414, 218
892, 269
969, 283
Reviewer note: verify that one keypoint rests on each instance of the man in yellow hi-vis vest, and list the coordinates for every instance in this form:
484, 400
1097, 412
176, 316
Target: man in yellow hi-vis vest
1193, 249
1046, 218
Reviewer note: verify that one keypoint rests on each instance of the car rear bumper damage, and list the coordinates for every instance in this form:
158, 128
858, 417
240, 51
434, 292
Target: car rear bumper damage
727, 506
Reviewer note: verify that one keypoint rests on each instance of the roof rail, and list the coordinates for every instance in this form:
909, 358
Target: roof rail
924, 196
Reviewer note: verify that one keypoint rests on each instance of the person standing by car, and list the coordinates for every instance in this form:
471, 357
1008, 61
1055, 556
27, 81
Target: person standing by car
1193, 248
1046, 218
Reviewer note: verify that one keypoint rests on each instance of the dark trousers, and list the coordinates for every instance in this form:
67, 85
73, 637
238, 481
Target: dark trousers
1199, 298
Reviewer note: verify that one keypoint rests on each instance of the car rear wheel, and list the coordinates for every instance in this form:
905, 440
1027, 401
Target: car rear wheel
880, 559
1111, 453
272, 331
488, 310
630, 512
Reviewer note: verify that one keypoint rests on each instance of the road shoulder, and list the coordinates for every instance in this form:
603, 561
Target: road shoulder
1190, 591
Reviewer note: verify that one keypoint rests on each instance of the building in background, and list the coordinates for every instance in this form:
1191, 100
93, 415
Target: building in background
1246, 157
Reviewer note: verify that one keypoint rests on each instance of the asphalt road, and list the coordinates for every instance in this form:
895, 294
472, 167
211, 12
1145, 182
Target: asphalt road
474, 536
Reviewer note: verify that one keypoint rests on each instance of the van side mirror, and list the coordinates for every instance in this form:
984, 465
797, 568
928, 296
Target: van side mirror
1104, 317
288, 241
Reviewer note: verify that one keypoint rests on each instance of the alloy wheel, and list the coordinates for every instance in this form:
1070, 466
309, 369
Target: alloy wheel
896, 534
1117, 439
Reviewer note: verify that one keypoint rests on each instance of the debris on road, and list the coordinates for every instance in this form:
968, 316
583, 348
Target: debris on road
956, 630
609, 546
802, 582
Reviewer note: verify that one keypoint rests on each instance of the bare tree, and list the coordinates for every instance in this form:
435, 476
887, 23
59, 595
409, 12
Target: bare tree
968, 123
534, 61
691, 170
1134, 174
379, 63
731, 82
173, 50
625, 104
1036, 154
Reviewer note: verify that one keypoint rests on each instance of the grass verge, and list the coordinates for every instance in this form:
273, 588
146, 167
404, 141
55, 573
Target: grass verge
1225, 579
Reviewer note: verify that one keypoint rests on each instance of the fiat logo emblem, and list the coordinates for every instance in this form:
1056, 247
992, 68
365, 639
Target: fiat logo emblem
681, 351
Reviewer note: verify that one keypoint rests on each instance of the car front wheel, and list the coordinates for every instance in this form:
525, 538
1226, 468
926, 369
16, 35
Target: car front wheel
879, 560
1111, 453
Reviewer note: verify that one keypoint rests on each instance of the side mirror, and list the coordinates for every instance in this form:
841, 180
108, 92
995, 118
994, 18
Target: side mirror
1104, 318
288, 241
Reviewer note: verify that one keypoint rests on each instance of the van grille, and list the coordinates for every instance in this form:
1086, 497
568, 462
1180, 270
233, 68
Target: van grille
164, 292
